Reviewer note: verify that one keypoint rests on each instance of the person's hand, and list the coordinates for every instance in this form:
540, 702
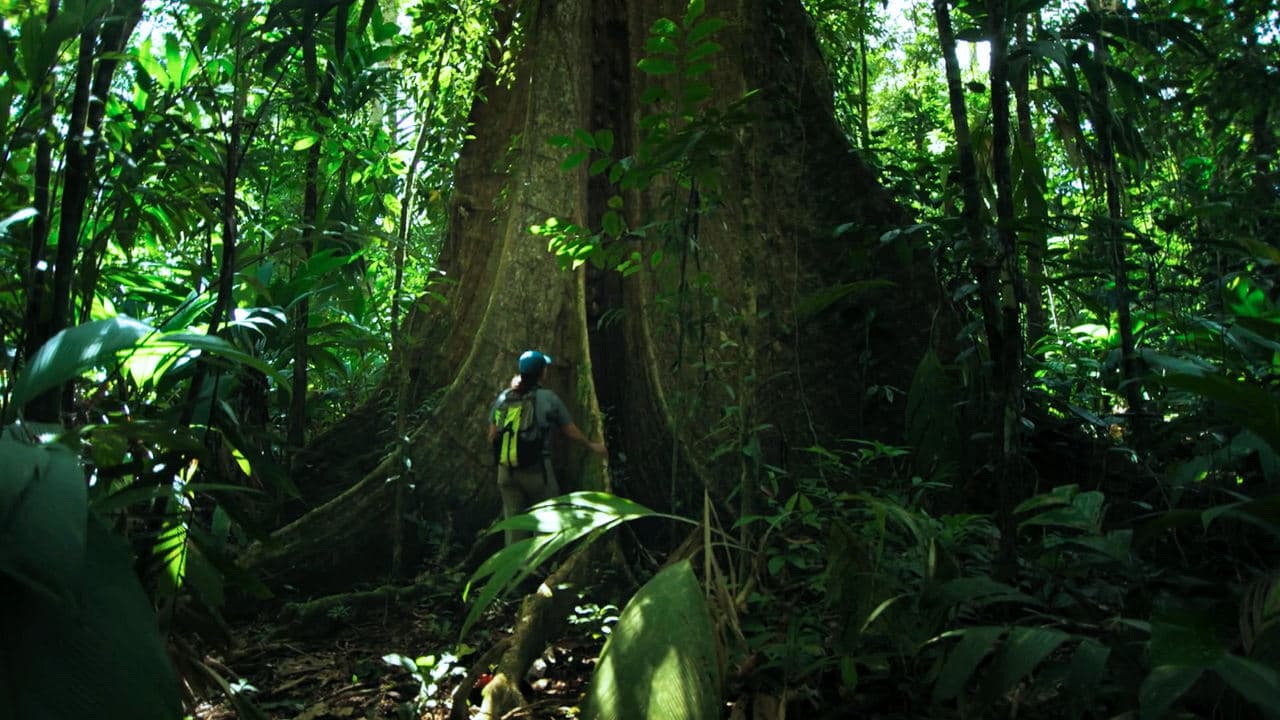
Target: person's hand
599, 449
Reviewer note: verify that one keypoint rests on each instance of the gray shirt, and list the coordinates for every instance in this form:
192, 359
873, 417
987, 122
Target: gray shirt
549, 411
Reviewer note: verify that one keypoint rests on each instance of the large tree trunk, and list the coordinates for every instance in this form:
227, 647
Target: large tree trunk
758, 340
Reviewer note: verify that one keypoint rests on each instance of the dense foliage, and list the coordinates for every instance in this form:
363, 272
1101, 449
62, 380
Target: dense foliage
219, 214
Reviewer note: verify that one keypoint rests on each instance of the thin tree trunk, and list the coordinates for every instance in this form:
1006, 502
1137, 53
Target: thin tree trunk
75, 187
36, 321
1130, 386
1008, 381
995, 295
117, 27
1033, 190
864, 120
75, 183
311, 208
971, 214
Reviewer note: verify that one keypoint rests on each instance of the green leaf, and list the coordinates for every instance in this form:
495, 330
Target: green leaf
1023, 650
813, 304
980, 590
612, 223
574, 160
604, 140
697, 69
1185, 637
42, 516
695, 91
975, 643
655, 94
99, 656
171, 547
599, 165
1084, 513
660, 45
656, 66
1088, 664
305, 142
173, 61
584, 138
19, 216
557, 522
1060, 495
660, 662
694, 11
75, 350
664, 27
1162, 688
1258, 683
705, 29
703, 50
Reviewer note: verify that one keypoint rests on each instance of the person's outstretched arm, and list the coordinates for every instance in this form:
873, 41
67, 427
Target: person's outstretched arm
572, 432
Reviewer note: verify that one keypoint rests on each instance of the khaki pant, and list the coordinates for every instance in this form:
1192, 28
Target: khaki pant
522, 487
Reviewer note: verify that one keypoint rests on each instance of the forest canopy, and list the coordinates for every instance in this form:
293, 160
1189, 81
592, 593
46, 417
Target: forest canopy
934, 344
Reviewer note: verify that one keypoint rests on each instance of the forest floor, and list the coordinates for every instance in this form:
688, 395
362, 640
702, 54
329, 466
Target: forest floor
340, 667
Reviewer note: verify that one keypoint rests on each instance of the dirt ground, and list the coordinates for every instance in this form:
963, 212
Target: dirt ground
336, 669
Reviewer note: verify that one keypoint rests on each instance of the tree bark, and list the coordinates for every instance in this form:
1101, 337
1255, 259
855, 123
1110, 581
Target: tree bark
762, 250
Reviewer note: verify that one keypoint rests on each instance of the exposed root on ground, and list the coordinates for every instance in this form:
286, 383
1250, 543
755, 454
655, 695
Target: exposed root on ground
543, 616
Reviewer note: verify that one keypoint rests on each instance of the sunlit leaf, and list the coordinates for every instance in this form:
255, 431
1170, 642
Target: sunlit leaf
557, 523
660, 661
75, 350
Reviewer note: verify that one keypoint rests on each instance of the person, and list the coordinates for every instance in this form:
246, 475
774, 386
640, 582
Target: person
522, 487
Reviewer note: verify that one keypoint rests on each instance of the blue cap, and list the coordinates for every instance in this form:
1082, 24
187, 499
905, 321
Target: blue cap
532, 362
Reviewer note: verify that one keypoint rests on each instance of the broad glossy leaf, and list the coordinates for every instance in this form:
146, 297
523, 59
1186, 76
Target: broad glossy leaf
660, 662
1162, 688
557, 522
975, 644
1023, 650
75, 350
98, 656
42, 516
1088, 665
1257, 682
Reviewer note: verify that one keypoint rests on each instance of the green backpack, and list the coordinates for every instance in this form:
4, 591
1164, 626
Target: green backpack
519, 442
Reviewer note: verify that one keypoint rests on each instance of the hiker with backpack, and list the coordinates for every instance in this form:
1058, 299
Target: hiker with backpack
520, 425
